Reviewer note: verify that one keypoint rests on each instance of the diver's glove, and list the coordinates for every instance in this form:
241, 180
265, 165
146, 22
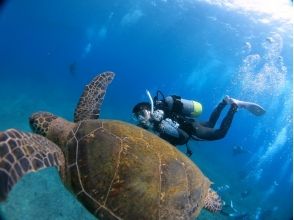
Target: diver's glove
189, 153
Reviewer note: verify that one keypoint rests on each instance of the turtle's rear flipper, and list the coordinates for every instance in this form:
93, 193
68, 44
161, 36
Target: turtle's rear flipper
212, 201
21, 153
91, 100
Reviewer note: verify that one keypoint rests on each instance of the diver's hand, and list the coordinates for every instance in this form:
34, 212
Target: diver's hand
189, 153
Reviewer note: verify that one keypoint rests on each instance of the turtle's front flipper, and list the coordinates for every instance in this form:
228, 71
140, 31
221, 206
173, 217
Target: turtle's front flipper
21, 153
212, 202
91, 100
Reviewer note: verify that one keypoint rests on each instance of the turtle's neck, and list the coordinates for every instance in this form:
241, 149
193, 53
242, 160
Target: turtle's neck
59, 130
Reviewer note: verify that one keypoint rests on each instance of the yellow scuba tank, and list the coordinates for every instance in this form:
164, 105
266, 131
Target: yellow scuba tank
185, 107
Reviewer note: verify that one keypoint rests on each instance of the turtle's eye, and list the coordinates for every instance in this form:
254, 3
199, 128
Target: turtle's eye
40, 121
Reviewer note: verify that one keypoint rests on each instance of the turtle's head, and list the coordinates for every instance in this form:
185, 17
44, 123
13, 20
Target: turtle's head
40, 122
52, 127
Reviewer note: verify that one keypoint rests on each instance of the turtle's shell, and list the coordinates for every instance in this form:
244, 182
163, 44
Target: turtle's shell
120, 171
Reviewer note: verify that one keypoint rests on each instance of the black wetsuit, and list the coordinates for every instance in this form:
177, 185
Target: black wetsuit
202, 130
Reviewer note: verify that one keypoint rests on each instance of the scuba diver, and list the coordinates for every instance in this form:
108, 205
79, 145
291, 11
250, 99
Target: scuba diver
173, 118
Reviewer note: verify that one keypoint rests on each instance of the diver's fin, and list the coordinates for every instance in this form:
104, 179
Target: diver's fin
250, 106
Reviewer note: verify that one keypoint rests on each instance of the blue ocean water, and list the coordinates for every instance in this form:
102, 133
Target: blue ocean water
201, 50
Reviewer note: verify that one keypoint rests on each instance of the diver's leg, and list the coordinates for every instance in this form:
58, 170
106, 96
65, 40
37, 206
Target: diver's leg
227, 121
215, 114
201, 132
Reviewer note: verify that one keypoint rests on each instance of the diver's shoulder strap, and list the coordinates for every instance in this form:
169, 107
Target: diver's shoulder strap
177, 105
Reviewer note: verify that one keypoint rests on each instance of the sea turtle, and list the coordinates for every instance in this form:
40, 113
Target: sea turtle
115, 169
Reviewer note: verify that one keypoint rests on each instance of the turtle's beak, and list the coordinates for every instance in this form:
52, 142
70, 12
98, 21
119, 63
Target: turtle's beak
40, 122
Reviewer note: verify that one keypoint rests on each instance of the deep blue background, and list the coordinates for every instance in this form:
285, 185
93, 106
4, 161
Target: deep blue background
50, 49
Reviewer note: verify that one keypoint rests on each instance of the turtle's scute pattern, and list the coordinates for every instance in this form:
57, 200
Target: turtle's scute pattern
22, 152
90, 101
119, 171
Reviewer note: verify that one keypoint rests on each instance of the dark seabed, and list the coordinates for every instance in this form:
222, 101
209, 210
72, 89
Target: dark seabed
201, 50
